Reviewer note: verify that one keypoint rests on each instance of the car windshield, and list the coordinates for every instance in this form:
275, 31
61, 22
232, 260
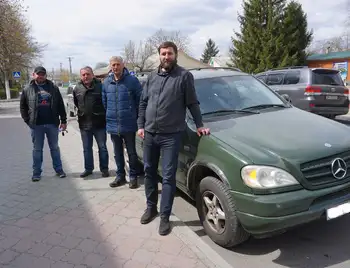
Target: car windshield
233, 93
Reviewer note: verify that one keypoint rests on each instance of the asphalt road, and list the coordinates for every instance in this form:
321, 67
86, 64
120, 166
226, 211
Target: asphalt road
316, 245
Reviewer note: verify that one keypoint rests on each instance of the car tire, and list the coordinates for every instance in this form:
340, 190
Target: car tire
232, 233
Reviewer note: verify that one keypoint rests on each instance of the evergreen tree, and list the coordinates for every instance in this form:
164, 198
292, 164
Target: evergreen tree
211, 50
272, 35
297, 37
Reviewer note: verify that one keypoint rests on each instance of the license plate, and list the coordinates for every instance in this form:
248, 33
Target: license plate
338, 211
331, 97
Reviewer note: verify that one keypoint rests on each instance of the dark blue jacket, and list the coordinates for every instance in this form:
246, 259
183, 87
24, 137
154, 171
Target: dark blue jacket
121, 100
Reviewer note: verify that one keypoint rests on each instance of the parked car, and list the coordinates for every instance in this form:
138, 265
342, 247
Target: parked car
71, 109
266, 167
317, 90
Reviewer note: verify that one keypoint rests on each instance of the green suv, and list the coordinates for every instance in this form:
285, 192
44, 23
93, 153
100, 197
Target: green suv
266, 167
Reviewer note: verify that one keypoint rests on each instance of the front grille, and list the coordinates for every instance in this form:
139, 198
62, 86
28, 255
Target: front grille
318, 172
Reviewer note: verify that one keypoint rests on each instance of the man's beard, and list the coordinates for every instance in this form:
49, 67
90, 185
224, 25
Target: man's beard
168, 65
40, 82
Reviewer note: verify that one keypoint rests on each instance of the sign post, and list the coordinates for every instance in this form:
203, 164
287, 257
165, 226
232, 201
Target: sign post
16, 75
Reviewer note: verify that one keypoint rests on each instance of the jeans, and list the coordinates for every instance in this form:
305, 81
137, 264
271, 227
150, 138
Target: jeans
167, 145
38, 136
129, 140
101, 139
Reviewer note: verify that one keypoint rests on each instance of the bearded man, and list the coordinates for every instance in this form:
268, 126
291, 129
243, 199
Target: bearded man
167, 93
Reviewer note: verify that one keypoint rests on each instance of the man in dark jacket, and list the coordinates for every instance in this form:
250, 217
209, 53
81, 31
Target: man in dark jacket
91, 113
161, 122
121, 95
42, 109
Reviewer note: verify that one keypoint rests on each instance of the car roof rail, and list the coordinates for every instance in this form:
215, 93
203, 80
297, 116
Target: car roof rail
288, 68
215, 68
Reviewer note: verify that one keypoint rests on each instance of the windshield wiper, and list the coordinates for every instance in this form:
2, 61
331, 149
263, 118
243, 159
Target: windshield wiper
265, 106
230, 111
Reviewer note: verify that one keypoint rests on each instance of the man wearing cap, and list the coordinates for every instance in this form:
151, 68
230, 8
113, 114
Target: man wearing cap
42, 109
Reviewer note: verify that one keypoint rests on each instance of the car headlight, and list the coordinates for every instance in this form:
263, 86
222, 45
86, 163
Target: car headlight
265, 177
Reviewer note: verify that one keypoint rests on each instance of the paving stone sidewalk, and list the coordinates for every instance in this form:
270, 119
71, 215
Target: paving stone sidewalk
74, 222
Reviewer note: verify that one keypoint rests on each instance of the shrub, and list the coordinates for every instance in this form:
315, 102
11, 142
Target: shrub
13, 92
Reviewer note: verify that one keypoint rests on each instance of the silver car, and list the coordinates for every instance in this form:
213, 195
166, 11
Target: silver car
71, 109
317, 90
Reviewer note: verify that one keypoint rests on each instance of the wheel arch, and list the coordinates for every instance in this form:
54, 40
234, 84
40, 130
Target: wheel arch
199, 170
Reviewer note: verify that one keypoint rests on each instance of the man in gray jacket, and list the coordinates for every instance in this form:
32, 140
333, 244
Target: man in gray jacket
161, 122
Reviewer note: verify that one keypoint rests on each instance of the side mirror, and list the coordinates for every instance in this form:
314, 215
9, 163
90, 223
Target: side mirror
286, 97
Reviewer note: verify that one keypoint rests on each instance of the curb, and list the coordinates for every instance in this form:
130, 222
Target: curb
11, 100
186, 235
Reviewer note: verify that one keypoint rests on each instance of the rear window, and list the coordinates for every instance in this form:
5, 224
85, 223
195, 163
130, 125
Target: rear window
326, 77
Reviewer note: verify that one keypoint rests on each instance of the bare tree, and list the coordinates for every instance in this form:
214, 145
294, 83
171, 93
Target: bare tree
138, 56
182, 41
334, 44
18, 49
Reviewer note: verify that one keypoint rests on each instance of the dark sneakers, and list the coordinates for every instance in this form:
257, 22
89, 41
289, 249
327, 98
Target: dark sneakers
149, 215
133, 184
61, 174
85, 173
36, 178
105, 173
117, 182
164, 226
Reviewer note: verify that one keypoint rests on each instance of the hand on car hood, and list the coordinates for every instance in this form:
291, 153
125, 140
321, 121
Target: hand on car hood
290, 134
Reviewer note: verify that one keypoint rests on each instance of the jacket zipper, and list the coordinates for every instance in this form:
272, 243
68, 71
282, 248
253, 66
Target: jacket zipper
116, 106
160, 91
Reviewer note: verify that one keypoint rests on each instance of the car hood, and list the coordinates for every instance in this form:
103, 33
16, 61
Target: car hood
282, 135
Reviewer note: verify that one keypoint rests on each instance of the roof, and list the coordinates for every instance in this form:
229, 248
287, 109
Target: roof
329, 56
183, 59
220, 60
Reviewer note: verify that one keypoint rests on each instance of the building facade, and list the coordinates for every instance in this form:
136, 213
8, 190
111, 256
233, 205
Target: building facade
334, 60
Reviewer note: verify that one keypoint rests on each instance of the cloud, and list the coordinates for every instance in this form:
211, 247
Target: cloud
92, 31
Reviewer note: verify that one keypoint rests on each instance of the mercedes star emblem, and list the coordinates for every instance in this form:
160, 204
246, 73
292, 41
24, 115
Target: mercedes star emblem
339, 168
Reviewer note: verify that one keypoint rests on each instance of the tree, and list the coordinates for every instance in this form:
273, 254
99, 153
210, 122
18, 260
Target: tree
334, 44
18, 48
269, 37
138, 56
64, 75
296, 36
181, 40
101, 65
247, 45
210, 50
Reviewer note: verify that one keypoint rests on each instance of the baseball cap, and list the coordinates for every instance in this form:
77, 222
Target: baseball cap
39, 69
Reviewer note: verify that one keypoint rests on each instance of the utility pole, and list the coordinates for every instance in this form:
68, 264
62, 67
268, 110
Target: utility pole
70, 68
61, 70
53, 73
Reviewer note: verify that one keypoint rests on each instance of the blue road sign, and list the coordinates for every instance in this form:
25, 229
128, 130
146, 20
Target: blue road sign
16, 74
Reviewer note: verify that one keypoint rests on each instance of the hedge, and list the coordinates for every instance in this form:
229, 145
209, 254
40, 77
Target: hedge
14, 93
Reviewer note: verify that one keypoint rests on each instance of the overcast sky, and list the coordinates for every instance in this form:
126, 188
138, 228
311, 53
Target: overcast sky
91, 31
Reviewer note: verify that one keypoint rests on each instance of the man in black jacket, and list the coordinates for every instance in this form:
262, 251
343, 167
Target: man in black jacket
92, 120
161, 122
42, 109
